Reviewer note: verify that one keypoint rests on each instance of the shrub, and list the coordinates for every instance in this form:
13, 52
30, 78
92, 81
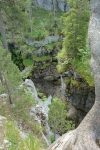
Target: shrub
58, 117
17, 142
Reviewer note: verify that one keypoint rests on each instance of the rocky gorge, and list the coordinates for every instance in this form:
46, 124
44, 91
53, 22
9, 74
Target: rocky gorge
46, 86
70, 86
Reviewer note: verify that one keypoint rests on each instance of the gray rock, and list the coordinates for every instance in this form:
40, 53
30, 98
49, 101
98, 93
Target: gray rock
81, 98
40, 110
31, 87
4, 95
40, 114
47, 40
50, 4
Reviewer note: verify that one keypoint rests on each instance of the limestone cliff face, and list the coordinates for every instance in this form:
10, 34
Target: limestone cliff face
51, 4
79, 95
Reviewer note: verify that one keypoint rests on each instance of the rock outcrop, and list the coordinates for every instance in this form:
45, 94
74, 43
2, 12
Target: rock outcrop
45, 41
40, 111
51, 4
76, 91
79, 95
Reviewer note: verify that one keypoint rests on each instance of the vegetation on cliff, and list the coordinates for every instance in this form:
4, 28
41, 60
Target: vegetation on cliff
76, 52
41, 45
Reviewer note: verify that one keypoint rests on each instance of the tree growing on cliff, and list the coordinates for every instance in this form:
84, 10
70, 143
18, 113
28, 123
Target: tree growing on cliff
75, 25
9, 74
87, 135
12, 17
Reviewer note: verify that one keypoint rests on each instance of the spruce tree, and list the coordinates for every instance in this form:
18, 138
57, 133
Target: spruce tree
75, 31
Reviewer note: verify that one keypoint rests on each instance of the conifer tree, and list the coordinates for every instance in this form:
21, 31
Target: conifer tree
75, 31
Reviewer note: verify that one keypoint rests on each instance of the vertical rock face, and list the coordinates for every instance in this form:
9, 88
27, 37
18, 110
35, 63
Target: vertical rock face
82, 99
50, 4
79, 95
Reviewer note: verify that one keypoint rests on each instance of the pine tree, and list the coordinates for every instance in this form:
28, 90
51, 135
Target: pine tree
75, 31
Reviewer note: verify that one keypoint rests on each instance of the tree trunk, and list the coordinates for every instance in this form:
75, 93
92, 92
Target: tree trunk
1, 78
3, 33
54, 8
5, 84
87, 135
30, 16
8, 91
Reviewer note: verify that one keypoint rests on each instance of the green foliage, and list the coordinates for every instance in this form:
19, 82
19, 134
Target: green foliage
22, 103
63, 61
20, 112
41, 59
39, 34
21, 98
42, 96
83, 66
17, 143
53, 45
40, 19
31, 143
43, 24
12, 134
27, 72
75, 29
16, 57
52, 138
75, 52
16, 19
28, 62
58, 117
9, 71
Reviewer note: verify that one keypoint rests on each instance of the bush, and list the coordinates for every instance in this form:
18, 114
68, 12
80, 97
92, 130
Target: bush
58, 117
17, 143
